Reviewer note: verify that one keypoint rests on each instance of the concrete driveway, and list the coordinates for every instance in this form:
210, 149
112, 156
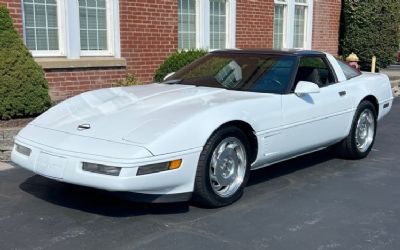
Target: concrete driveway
312, 202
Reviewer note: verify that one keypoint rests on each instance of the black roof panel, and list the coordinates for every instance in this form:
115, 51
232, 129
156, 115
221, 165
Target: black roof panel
270, 51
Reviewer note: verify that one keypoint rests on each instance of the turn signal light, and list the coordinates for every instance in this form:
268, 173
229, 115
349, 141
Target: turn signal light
159, 167
101, 169
23, 150
175, 164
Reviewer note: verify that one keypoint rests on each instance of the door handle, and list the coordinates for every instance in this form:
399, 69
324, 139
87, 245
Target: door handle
342, 93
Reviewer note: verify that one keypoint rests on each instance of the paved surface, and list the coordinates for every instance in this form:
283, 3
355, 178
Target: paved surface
313, 202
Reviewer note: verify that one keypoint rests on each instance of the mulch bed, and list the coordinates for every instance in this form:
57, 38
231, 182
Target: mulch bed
15, 123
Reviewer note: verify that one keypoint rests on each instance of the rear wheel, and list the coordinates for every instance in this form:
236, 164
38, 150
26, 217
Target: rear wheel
223, 168
359, 142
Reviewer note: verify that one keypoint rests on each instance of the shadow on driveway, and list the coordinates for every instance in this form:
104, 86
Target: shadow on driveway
106, 203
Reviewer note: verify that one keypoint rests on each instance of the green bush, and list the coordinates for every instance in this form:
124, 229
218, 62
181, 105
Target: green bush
370, 28
176, 61
129, 80
23, 88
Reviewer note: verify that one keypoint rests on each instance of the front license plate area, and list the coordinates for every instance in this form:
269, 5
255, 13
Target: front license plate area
50, 165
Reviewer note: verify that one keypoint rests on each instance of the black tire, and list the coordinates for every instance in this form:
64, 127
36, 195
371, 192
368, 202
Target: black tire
203, 194
347, 148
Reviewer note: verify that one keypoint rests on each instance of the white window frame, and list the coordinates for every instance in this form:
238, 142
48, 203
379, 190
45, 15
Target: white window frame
61, 37
197, 30
69, 32
110, 41
203, 24
289, 23
285, 21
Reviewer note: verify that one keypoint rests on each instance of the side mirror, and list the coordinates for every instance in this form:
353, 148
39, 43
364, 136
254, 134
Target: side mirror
168, 75
304, 87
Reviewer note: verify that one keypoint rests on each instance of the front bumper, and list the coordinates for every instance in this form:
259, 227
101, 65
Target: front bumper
66, 166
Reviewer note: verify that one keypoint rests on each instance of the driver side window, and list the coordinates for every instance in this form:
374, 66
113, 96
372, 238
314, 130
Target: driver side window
314, 69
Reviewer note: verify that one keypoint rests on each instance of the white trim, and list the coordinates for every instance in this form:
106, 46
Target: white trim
199, 32
310, 24
72, 26
289, 24
206, 24
117, 32
231, 24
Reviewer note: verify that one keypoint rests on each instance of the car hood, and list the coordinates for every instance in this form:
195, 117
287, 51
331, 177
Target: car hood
161, 118
114, 113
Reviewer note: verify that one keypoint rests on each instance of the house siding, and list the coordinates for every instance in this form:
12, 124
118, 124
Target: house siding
149, 33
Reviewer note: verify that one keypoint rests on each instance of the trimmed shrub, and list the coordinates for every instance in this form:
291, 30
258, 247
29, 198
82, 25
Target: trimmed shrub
23, 87
129, 80
370, 28
176, 61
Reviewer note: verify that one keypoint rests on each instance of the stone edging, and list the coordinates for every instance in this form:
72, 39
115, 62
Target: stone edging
8, 130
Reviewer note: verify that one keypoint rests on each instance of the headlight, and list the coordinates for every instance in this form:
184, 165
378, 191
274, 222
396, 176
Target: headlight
101, 169
158, 167
23, 150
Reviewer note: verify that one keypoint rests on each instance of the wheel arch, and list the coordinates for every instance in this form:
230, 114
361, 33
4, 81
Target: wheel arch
372, 99
248, 131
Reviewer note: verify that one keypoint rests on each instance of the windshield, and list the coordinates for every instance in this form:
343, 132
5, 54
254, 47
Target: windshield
234, 71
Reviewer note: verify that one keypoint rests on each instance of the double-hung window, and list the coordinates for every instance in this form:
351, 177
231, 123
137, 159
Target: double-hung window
207, 24
187, 22
42, 26
218, 23
292, 24
93, 22
279, 23
72, 28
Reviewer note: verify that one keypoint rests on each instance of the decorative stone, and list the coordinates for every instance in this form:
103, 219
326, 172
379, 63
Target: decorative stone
5, 155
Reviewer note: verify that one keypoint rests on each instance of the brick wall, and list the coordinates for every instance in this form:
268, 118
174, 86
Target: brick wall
149, 31
67, 82
326, 24
254, 23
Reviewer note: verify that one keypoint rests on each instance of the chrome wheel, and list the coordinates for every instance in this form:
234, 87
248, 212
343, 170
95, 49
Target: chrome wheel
365, 130
228, 167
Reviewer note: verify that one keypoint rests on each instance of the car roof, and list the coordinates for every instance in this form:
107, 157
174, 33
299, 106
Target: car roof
294, 52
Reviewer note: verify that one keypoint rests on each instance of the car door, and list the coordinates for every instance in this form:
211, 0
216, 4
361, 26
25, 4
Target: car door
315, 120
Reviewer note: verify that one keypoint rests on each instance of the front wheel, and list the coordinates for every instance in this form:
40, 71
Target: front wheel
359, 142
223, 168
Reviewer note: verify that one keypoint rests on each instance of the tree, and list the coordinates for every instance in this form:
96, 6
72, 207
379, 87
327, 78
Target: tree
23, 87
368, 28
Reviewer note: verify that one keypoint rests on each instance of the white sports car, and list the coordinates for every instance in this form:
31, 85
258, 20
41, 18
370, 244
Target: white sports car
200, 132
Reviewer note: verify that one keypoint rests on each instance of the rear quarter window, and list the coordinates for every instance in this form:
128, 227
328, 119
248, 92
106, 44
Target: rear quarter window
348, 71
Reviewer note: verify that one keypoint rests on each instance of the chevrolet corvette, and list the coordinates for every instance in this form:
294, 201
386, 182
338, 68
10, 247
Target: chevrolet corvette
199, 133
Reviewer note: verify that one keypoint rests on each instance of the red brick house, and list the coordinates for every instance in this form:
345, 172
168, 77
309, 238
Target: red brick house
88, 44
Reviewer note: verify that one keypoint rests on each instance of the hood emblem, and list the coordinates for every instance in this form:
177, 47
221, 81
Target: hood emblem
84, 126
